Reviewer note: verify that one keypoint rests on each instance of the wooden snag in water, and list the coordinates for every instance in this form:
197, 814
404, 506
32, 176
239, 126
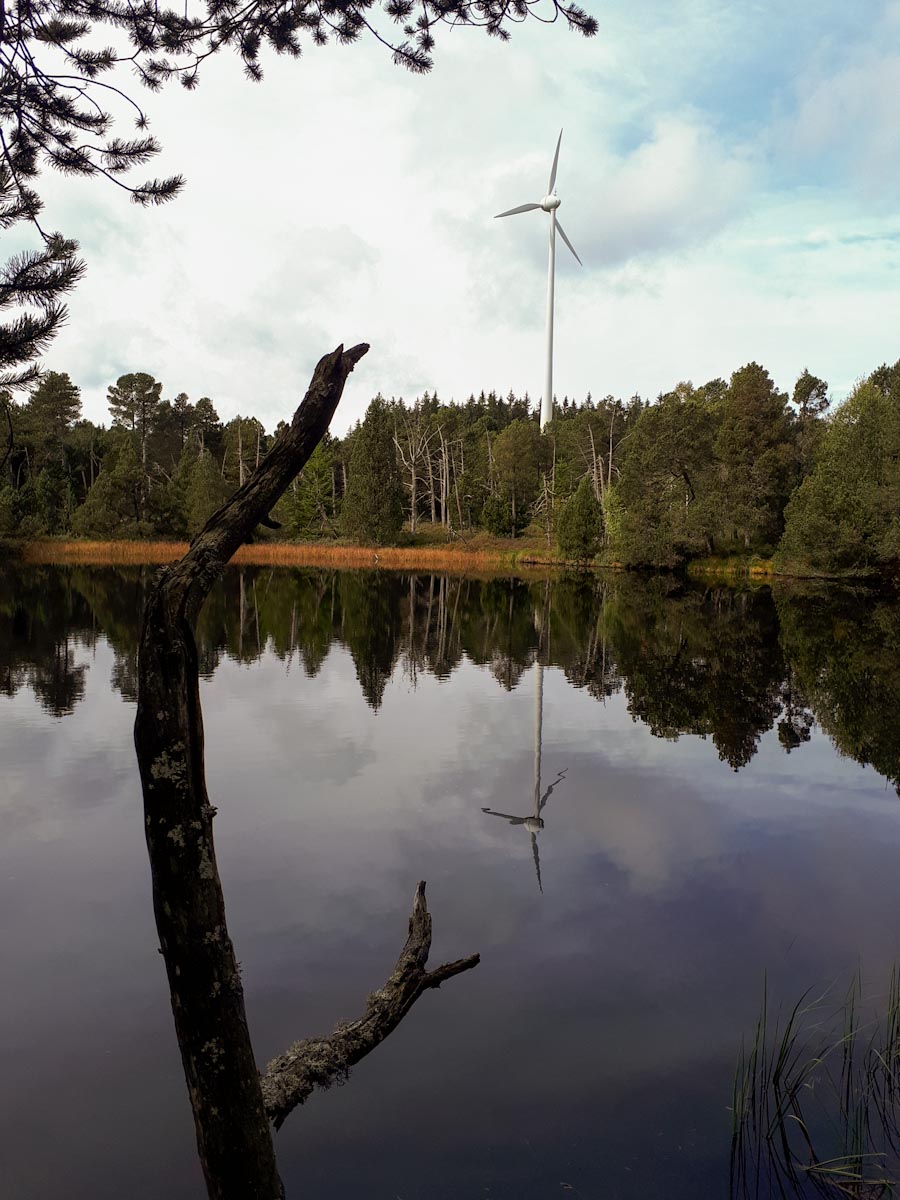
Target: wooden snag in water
232, 1104
320, 1062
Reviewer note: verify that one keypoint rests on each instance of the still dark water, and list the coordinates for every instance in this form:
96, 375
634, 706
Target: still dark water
724, 807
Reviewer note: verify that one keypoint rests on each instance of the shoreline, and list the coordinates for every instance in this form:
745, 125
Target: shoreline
524, 556
445, 557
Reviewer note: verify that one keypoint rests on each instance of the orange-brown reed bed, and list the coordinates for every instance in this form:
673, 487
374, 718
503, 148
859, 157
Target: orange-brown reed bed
102, 553
456, 556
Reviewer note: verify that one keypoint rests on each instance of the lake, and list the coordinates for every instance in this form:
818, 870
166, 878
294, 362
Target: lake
643, 802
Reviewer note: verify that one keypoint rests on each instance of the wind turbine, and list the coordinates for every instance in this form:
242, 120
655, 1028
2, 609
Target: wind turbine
549, 204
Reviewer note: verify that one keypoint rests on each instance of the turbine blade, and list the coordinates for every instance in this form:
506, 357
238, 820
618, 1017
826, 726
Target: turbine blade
553, 168
510, 212
562, 234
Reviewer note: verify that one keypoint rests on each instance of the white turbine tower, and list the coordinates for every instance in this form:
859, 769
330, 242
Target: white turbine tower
549, 204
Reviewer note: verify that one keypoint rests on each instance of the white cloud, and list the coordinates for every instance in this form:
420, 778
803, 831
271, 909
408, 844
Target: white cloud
846, 125
343, 200
676, 188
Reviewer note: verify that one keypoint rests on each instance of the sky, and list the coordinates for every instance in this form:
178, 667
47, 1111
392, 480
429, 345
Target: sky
729, 175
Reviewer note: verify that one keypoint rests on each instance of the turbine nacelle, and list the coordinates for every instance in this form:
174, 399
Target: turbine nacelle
549, 205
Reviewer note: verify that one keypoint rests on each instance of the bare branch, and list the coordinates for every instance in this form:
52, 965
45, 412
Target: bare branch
320, 1062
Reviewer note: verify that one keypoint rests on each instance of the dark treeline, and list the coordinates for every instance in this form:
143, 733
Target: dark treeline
727, 665
721, 469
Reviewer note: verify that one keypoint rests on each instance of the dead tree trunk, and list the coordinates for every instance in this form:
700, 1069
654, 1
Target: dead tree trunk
431, 488
232, 1106
10, 436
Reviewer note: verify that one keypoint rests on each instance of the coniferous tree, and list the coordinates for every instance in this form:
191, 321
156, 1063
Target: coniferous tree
34, 282
810, 398
244, 443
51, 412
309, 508
372, 511
206, 492
845, 516
172, 505
184, 414
519, 454
810, 395
8, 515
664, 507
207, 425
754, 447
579, 531
51, 500
113, 505
134, 402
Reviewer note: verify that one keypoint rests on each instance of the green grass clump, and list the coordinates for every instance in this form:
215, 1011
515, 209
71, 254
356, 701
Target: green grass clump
816, 1098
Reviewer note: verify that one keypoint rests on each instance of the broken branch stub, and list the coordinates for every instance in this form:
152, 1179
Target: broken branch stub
320, 1062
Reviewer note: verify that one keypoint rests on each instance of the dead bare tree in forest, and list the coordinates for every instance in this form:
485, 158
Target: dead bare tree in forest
413, 450
10, 435
233, 1104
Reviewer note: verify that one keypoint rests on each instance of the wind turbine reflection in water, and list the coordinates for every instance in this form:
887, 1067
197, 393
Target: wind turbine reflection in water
534, 822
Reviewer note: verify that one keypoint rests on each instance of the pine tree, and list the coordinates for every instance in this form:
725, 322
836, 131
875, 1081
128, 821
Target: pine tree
35, 281
664, 507
172, 511
244, 444
580, 528
519, 454
754, 448
845, 516
308, 508
207, 425
52, 410
372, 511
206, 492
184, 414
112, 506
810, 399
134, 402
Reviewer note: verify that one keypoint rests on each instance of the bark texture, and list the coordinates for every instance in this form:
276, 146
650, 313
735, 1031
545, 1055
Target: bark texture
232, 1106
233, 1135
320, 1062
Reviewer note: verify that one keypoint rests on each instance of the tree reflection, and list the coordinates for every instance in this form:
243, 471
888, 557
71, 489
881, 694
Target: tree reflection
44, 618
844, 648
698, 661
370, 628
721, 663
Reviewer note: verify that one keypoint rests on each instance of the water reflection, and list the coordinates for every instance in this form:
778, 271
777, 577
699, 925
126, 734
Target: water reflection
534, 822
609, 1011
720, 663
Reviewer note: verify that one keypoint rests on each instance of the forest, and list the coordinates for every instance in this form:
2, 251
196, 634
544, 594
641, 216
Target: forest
733, 469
